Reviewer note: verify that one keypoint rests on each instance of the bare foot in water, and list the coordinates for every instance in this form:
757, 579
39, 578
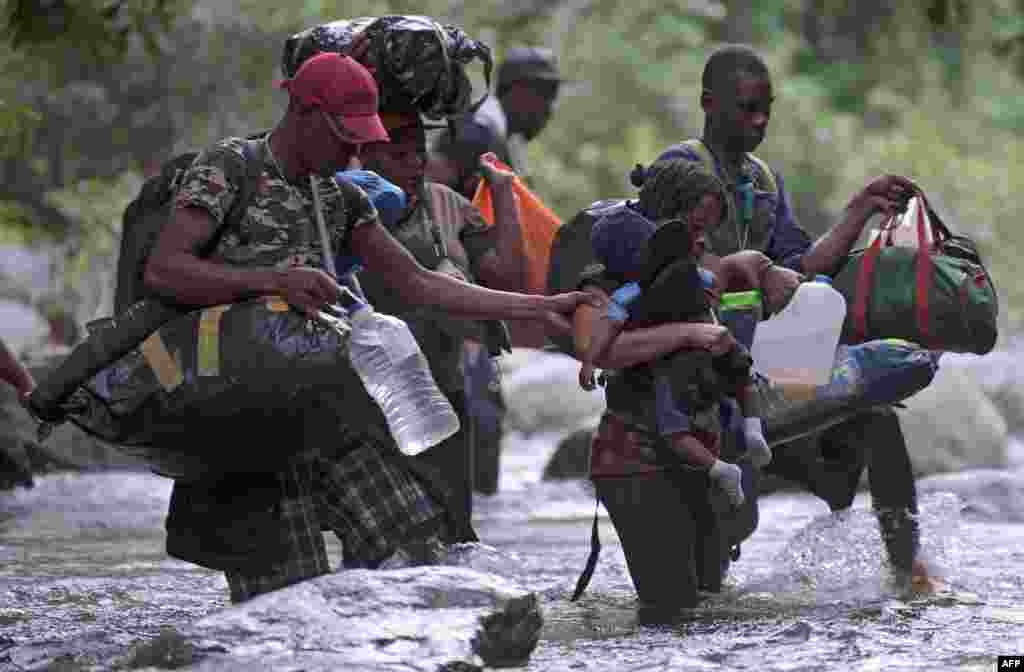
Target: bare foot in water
921, 580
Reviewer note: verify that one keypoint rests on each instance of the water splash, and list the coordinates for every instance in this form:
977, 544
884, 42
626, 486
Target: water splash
840, 557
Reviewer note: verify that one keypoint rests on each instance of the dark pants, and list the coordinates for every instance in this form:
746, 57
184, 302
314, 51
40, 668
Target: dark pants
486, 408
670, 534
448, 467
830, 465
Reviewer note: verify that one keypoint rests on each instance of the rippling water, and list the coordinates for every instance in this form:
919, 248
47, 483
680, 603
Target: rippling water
83, 577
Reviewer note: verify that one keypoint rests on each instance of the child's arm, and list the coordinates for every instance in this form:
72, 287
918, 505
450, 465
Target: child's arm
594, 332
593, 344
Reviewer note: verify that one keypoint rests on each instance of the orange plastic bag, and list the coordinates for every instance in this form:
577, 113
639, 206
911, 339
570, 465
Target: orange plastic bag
538, 224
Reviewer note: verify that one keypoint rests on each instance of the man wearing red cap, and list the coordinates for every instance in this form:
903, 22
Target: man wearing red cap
264, 530
445, 232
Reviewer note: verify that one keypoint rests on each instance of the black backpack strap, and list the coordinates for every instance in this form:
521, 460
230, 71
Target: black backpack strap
595, 551
255, 160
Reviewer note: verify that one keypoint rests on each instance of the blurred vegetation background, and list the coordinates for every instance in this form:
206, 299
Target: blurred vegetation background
95, 94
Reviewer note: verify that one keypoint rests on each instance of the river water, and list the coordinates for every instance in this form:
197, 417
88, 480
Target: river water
83, 578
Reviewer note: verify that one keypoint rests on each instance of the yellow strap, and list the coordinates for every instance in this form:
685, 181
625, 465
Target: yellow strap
208, 351
167, 370
277, 305
794, 391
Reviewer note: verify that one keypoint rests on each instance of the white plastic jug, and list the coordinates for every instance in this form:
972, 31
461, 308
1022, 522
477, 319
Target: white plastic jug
797, 346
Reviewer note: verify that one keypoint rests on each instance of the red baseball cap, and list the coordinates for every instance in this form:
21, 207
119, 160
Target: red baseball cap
344, 89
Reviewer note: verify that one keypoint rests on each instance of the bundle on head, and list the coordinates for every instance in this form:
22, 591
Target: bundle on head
416, 61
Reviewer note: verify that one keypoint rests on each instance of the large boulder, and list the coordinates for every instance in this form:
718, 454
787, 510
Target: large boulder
543, 394
1001, 376
24, 326
572, 457
426, 618
953, 423
66, 448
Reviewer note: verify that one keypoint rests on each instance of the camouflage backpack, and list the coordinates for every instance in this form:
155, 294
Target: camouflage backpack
416, 61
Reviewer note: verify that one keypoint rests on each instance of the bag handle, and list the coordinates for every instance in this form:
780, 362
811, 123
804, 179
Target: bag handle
865, 279
923, 268
922, 275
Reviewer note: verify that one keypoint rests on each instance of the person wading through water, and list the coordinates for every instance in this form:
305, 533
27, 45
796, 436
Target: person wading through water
265, 530
446, 233
736, 96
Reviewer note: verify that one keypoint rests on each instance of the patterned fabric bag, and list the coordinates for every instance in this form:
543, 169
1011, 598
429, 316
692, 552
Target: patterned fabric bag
876, 373
416, 61
267, 371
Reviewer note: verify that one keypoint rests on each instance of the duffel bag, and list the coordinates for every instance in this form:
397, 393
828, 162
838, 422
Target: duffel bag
876, 373
233, 388
937, 294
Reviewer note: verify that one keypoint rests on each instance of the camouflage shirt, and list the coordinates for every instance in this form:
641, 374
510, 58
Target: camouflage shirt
439, 217
279, 228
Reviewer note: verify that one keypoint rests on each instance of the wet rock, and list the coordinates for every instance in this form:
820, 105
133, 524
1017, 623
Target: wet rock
543, 394
66, 449
507, 638
1000, 375
952, 424
572, 457
425, 618
15, 470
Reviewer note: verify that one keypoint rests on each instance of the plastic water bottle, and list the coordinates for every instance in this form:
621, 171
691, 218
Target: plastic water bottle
797, 346
396, 374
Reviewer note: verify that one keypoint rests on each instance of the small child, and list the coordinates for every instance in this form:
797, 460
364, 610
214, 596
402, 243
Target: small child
661, 283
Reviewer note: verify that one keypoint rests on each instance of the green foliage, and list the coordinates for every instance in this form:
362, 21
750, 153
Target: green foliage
104, 27
17, 122
951, 115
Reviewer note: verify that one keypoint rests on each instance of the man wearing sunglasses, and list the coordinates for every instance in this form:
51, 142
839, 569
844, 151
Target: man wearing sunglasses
265, 530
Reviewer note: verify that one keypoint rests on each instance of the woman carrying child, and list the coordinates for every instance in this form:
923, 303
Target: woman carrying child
670, 430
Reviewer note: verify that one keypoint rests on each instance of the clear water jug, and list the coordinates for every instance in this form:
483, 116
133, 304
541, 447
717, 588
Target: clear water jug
796, 348
396, 374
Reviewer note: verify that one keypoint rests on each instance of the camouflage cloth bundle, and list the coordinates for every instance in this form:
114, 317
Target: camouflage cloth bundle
876, 373
416, 61
232, 388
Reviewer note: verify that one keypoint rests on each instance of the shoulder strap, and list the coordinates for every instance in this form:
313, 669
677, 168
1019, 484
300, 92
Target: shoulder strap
595, 550
437, 210
703, 153
708, 161
254, 160
766, 174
